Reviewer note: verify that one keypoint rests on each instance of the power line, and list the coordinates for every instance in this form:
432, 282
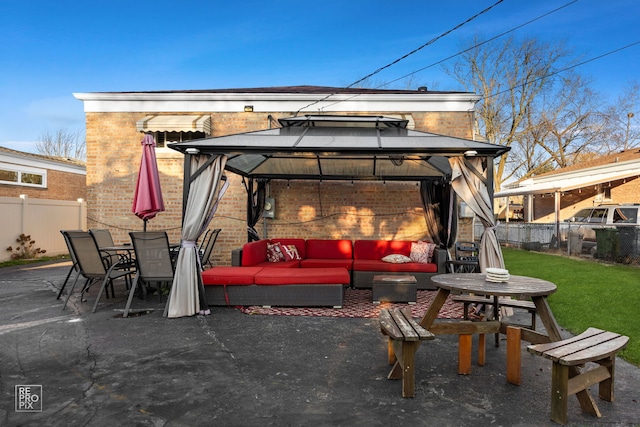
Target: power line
565, 69
406, 55
467, 50
480, 44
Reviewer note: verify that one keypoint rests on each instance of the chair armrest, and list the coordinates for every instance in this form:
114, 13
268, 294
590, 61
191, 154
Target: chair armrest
236, 257
440, 259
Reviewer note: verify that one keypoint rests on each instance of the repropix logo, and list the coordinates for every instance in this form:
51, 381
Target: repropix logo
28, 398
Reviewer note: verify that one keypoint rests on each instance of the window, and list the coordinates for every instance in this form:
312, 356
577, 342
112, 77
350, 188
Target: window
22, 175
9, 176
164, 138
598, 216
628, 215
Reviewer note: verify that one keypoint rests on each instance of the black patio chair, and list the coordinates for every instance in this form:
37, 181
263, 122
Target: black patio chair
466, 258
207, 247
102, 236
74, 262
93, 265
104, 239
153, 262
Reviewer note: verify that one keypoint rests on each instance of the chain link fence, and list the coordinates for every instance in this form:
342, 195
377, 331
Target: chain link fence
619, 243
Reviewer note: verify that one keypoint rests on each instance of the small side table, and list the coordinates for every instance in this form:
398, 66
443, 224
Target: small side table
394, 288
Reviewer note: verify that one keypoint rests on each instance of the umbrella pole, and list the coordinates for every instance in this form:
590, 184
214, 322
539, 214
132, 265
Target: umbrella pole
145, 225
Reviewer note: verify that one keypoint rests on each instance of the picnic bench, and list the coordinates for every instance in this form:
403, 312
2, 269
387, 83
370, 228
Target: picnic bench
404, 339
593, 345
467, 300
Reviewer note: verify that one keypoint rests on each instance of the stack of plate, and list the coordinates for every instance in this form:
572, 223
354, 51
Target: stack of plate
497, 275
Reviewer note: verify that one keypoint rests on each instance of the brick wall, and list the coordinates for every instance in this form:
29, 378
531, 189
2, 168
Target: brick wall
61, 186
303, 209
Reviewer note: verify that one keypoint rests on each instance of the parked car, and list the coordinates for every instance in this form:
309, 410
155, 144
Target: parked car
588, 220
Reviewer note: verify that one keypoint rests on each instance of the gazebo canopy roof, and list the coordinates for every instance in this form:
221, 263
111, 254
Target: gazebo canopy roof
340, 148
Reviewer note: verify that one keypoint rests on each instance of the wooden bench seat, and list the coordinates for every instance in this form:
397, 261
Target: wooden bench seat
404, 339
593, 345
467, 300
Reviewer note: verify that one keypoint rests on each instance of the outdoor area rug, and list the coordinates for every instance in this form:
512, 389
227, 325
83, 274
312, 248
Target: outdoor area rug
357, 303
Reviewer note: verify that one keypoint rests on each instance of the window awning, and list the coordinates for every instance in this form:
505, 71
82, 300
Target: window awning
175, 123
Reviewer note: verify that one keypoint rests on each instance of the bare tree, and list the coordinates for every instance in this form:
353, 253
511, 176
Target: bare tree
62, 143
567, 123
621, 120
543, 115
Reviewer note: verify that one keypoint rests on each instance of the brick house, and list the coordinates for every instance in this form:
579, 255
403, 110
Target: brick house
40, 177
310, 209
558, 195
40, 195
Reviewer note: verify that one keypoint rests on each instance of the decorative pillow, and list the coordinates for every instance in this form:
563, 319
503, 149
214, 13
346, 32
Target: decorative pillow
274, 252
422, 252
290, 252
396, 259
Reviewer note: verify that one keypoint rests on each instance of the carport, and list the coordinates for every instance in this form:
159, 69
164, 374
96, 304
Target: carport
326, 147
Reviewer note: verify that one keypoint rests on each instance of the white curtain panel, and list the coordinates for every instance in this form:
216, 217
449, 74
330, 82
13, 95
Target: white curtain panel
470, 188
204, 193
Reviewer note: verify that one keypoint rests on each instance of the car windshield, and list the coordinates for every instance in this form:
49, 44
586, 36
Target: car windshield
582, 216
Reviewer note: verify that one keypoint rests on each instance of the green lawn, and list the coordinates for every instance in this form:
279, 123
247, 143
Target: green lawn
589, 293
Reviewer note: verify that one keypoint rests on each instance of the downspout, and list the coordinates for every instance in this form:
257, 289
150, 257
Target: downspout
557, 213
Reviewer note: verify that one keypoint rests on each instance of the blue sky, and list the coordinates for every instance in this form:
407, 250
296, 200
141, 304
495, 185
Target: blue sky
51, 49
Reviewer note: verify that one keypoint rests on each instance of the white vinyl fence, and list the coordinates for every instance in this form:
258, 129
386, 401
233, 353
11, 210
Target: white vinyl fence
42, 219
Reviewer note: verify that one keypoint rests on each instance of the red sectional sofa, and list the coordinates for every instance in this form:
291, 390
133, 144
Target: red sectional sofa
271, 286
316, 277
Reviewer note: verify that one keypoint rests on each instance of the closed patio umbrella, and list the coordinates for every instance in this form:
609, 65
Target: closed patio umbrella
147, 201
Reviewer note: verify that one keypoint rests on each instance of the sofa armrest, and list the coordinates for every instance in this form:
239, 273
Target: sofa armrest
440, 259
236, 257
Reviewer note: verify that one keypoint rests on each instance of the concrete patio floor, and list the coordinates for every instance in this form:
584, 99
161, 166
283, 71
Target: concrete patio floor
233, 369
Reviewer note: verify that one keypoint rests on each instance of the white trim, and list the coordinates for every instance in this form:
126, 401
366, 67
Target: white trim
584, 179
269, 102
27, 161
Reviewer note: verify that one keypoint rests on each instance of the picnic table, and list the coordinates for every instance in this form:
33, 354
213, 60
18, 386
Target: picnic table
519, 287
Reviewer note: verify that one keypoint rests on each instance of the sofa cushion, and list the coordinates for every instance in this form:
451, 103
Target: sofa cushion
329, 249
303, 276
326, 263
254, 253
298, 243
290, 253
396, 259
230, 275
422, 252
281, 264
274, 252
379, 265
378, 249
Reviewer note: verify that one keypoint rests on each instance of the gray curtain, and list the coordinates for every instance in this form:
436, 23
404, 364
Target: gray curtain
256, 193
206, 188
440, 212
469, 180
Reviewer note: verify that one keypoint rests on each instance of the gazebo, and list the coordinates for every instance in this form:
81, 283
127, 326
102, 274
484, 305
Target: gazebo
331, 147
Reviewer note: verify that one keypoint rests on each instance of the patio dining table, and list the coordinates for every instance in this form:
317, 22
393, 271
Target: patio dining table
520, 287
